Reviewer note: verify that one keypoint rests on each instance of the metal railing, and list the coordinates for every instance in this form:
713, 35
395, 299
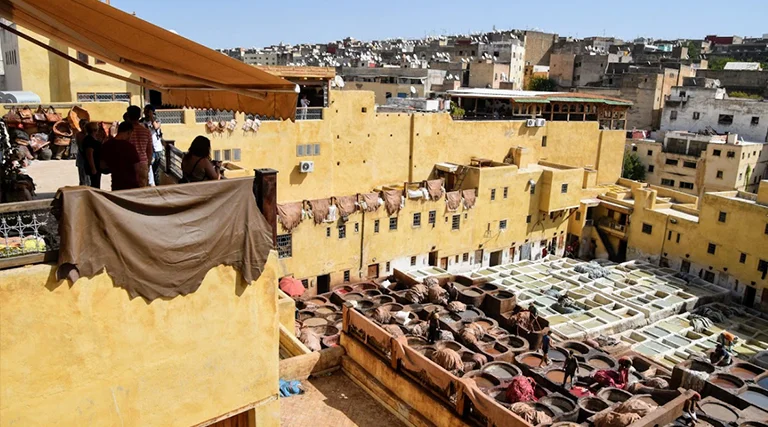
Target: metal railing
29, 233
170, 117
309, 113
170, 160
202, 116
612, 224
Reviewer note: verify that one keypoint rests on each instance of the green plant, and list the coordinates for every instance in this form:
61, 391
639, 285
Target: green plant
719, 63
745, 95
456, 111
694, 51
542, 84
632, 168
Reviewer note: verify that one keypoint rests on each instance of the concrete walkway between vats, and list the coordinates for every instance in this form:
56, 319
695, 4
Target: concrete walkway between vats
335, 401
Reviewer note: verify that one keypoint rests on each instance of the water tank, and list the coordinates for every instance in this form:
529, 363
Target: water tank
19, 97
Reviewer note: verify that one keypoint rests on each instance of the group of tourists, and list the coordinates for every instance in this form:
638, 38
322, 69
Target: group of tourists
132, 155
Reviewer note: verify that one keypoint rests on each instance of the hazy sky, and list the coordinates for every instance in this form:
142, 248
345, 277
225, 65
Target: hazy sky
231, 23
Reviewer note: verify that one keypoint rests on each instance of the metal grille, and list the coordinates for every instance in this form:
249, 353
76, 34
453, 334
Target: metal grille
309, 113
28, 232
176, 156
432, 217
123, 97
455, 221
104, 97
170, 117
417, 219
393, 223
86, 97
202, 116
284, 246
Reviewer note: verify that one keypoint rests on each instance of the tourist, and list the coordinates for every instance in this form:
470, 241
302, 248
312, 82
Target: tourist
120, 157
433, 333
196, 164
689, 409
545, 343
92, 154
141, 139
151, 122
304, 106
571, 365
721, 356
727, 339
79, 154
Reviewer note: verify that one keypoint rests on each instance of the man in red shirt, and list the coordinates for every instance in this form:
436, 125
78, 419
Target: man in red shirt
141, 138
119, 156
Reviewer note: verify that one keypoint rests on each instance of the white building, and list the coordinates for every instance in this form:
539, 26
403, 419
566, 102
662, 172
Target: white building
695, 108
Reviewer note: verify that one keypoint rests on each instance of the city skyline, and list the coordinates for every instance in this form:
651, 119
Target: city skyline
313, 22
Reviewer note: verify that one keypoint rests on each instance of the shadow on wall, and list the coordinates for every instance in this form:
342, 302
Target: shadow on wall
297, 177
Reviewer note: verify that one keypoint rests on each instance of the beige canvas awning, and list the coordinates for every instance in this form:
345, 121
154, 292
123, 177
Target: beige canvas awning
187, 73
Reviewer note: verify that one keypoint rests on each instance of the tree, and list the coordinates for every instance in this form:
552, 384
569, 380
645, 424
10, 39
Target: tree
632, 168
719, 63
542, 84
694, 51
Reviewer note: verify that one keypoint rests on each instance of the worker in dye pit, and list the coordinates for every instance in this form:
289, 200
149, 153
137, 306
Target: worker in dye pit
571, 366
727, 340
720, 357
433, 333
689, 409
453, 293
546, 340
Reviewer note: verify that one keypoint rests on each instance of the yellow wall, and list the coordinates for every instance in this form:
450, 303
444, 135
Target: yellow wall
86, 354
56, 79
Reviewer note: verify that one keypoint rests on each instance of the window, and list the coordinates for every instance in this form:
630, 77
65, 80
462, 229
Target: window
647, 228
357, 227
328, 232
493, 194
82, 57
376, 226
432, 217
465, 257
730, 154
634, 148
413, 260
725, 119
672, 162
669, 235
236, 155
743, 258
305, 283
284, 246
503, 224
650, 152
755, 121
578, 216
506, 192
711, 248
342, 231
528, 219
766, 229
455, 221
696, 115
393, 223
650, 168
690, 165
533, 188
346, 276
103, 97
673, 115
388, 266
762, 266
417, 219
543, 141
740, 175
716, 153
686, 185
668, 182
719, 175
721, 216
678, 238
564, 188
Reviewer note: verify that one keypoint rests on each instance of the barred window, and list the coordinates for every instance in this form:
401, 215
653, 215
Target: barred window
455, 221
170, 117
393, 223
346, 276
417, 219
342, 231
376, 226
503, 224
432, 217
284, 246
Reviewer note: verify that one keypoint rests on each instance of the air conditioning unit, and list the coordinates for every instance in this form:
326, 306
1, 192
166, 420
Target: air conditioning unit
530, 123
541, 122
306, 167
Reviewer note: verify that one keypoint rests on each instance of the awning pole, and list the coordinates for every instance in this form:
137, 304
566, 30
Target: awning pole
78, 62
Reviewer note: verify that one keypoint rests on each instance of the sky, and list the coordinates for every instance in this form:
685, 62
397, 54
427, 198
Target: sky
243, 23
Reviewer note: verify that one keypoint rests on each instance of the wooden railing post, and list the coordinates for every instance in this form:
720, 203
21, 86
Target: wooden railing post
265, 192
168, 145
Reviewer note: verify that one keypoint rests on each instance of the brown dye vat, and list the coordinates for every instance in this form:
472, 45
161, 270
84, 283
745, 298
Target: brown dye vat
372, 292
698, 365
363, 305
577, 347
452, 345
306, 314
353, 296
592, 404
393, 307
726, 381
601, 362
485, 322
556, 375
417, 342
495, 349
531, 359
489, 287
364, 286
317, 301
719, 411
343, 290
614, 395
315, 321
756, 396
472, 293
746, 371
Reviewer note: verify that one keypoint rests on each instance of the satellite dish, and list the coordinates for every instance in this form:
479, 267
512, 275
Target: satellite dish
338, 81
413, 90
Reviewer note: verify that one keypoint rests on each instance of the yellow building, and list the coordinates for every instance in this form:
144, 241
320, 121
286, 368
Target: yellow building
55, 79
697, 164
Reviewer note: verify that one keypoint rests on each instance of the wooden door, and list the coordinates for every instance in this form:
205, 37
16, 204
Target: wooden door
444, 263
373, 271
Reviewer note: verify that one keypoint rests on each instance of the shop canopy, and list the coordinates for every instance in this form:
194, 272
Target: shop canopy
188, 74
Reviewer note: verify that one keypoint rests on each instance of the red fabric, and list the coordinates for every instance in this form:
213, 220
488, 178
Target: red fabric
580, 391
291, 286
610, 378
141, 138
521, 389
121, 158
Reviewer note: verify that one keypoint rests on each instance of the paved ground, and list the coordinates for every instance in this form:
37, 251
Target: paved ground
334, 401
50, 175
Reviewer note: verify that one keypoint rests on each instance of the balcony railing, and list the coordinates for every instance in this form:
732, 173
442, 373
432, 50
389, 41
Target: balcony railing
612, 224
202, 116
309, 113
170, 160
29, 233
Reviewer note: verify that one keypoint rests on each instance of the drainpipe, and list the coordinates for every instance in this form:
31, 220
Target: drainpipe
265, 192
